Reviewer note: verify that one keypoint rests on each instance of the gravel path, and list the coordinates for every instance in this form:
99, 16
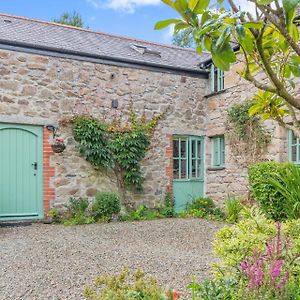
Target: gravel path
56, 262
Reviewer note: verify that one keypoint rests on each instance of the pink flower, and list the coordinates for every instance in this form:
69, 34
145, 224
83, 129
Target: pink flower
283, 280
275, 269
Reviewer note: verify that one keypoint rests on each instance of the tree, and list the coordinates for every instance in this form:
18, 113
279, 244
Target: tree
267, 44
71, 18
183, 39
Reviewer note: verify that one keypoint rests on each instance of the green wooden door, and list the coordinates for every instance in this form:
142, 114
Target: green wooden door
188, 170
21, 194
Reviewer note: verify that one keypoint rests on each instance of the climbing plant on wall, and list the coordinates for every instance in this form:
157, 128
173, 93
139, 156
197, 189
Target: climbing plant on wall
247, 136
117, 147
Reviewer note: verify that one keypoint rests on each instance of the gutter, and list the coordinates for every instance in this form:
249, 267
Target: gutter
85, 56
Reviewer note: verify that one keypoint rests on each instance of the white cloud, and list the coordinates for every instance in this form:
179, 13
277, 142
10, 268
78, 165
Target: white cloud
168, 34
246, 5
127, 6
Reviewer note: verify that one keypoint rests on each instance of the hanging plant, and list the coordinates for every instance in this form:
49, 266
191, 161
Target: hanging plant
247, 137
116, 147
58, 146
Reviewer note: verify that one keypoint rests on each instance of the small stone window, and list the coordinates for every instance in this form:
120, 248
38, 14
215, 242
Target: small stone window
293, 148
216, 79
218, 151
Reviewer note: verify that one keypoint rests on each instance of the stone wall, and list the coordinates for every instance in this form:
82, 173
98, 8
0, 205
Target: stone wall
233, 179
44, 90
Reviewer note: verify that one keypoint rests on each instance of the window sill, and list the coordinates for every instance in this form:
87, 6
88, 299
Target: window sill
215, 93
216, 168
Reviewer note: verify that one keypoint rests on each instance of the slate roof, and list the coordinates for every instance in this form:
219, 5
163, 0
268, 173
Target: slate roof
40, 34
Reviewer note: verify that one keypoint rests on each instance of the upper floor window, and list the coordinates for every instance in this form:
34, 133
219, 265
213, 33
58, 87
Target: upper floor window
216, 79
293, 147
218, 151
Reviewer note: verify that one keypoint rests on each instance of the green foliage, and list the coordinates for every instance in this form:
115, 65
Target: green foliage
142, 213
79, 220
183, 39
236, 242
268, 42
203, 208
246, 134
115, 147
78, 213
273, 187
168, 209
233, 208
127, 286
70, 18
220, 289
106, 204
77, 206
286, 182
55, 215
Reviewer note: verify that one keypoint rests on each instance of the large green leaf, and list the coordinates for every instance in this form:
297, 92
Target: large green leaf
165, 23
289, 5
223, 57
168, 2
254, 25
240, 32
223, 38
201, 6
180, 26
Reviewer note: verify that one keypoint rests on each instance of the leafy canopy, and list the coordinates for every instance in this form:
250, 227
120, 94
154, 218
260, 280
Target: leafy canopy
267, 42
71, 18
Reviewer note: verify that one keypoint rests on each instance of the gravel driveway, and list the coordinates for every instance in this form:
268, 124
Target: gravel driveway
56, 262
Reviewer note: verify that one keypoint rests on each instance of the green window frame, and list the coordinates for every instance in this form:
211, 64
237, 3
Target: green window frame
218, 151
188, 158
293, 148
216, 79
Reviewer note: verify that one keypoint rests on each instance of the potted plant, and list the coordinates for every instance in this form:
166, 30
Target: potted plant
58, 146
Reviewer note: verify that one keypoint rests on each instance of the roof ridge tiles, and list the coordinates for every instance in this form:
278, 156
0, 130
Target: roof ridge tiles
96, 32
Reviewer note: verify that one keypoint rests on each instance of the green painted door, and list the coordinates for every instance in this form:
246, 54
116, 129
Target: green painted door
188, 170
21, 194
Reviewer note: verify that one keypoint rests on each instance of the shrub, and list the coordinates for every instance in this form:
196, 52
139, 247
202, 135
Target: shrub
203, 208
219, 289
77, 206
78, 213
268, 196
287, 183
233, 208
142, 213
235, 243
106, 204
128, 286
55, 215
168, 209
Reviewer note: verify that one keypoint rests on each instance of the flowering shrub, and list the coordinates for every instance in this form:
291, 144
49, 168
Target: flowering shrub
235, 243
267, 272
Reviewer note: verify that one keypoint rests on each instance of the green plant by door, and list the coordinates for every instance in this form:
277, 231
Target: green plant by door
111, 146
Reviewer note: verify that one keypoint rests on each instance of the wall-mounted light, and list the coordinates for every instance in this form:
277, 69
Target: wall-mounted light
52, 128
114, 103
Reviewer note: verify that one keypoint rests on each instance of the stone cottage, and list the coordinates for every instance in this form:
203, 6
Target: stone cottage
50, 72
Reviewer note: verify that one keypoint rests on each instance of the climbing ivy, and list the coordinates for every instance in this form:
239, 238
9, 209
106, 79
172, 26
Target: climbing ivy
247, 136
116, 147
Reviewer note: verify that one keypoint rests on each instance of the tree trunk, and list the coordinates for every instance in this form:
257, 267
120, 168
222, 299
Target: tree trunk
122, 188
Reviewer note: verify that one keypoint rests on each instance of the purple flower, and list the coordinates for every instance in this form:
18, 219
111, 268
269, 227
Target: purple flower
275, 269
283, 280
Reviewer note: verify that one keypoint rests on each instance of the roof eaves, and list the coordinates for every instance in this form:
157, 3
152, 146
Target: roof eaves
103, 57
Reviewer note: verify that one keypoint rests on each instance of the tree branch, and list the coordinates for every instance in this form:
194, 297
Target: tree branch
280, 89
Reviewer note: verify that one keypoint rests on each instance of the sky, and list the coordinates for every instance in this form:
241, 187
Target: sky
133, 18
